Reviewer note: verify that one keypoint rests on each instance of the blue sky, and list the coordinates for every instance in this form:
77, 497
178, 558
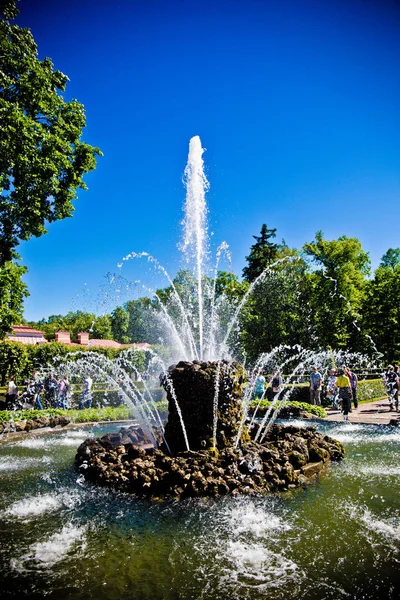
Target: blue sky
297, 103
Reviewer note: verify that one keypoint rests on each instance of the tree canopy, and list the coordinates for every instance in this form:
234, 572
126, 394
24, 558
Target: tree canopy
42, 157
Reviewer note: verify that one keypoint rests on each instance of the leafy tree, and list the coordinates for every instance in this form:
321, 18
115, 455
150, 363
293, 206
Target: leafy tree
120, 325
229, 285
42, 159
12, 293
391, 258
381, 310
143, 326
276, 311
101, 328
337, 289
13, 361
75, 322
262, 254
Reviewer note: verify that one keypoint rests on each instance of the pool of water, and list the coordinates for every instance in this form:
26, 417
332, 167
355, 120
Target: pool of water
64, 538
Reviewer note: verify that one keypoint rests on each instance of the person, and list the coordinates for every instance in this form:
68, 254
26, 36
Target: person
86, 395
12, 393
353, 383
315, 386
63, 393
331, 394
50, 391
392, 386
343, 385
276, 384
396, 395
259, 386
34, 388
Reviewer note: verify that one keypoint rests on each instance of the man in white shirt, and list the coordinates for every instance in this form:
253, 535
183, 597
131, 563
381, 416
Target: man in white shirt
86, 395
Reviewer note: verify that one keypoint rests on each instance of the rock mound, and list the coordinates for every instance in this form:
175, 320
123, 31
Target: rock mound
288, 458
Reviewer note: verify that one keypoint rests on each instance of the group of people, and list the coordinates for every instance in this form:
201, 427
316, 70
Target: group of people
51, 392
391, 379
340, 389
271, 386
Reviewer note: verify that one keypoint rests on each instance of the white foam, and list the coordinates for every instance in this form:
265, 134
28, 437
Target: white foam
12, 463
48, 442
34, 506
53, 550
377, 469
388, 528
259, 564
256, 521
297, 423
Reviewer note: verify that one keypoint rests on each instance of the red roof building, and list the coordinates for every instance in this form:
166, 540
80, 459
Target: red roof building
26, 335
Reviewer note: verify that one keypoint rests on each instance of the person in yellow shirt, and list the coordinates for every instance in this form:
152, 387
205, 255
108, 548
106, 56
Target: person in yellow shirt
342, 383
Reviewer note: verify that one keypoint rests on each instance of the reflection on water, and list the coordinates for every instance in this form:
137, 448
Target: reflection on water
64, 538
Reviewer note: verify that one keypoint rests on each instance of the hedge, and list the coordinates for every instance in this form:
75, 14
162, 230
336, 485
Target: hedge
318, 411
18, 360
88, 415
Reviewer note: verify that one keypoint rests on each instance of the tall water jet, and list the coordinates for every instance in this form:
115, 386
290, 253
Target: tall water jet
195, 240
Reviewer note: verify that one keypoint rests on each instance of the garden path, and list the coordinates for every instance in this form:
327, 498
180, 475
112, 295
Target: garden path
375, 413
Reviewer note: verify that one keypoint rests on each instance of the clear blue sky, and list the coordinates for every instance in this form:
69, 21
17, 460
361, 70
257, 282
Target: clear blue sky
297, 103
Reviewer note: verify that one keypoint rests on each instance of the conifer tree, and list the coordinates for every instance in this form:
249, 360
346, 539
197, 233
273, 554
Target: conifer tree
262, 254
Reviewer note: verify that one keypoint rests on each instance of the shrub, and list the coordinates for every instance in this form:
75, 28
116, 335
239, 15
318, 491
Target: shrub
13, 361
120, 413
318, 411
370, 389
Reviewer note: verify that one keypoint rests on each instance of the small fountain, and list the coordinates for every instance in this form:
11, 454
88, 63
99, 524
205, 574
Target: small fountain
206, 447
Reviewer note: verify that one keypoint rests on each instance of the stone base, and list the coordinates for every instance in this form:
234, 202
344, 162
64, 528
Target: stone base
288, 458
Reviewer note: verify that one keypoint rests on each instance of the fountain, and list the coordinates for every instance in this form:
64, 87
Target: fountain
64, 537
206, 447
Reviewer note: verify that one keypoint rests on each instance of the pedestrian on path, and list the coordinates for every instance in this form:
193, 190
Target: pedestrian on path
344, 387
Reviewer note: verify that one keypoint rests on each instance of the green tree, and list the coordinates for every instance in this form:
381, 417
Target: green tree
337, 290
120, 325
12, 293
42, 159
262, 254
13, 361
101, 328
391, 258
276, 311
381, 310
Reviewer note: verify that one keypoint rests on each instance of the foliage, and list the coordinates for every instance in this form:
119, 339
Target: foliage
120, 325
337, 289
391, 258
276, 312
88, 415
42, 159
108, 413
19, 359
318, 411
262, 254
370, 389
381, 311
14, 361
76, 322
12, 293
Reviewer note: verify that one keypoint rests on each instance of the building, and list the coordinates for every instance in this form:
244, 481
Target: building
26, 335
